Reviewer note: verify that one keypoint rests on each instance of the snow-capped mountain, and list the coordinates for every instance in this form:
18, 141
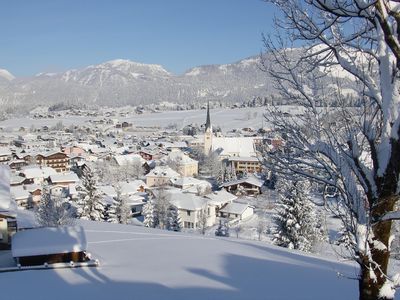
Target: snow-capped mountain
6, 75
121, 82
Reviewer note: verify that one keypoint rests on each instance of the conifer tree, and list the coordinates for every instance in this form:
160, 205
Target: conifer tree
295, 219
89, 204
148, 213
174, 221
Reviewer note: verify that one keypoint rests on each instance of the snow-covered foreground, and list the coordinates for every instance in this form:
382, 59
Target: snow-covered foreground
141, 263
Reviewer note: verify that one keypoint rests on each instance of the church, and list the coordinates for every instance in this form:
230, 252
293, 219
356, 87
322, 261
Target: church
227, 147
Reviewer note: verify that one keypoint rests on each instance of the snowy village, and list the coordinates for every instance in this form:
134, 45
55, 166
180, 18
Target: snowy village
217, 173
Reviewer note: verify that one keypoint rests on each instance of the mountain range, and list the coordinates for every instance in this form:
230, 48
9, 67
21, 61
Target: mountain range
122, 82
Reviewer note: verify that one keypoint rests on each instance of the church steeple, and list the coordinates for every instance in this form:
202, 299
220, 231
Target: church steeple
208, 121
208, 132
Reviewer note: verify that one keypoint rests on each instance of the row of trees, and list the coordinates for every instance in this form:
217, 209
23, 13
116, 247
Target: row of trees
57, 210
160, 213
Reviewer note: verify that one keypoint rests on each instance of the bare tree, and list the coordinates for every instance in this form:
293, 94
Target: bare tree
238, 229
161, 207
53, 211
354, 149
260, 229
203, 219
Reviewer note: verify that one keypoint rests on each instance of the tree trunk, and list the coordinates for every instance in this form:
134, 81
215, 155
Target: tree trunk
370, 287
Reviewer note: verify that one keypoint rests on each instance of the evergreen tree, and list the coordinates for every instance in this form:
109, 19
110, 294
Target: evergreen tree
89, 204
295, 219
174, 221
222, 229
148, 213
110, 213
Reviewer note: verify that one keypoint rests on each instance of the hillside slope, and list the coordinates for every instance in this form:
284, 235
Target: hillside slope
141, 263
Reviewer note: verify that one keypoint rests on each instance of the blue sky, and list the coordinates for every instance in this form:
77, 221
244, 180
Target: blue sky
56, 35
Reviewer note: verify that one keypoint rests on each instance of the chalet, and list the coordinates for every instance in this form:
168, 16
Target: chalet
57, 160
64, 179
49, 245
250, 185
36, 175
17, 164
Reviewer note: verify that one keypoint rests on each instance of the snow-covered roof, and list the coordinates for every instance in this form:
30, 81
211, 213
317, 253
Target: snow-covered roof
181, 158
38, 172
67, 177
19, 193
220, 197
32, 187
127, 188
5, 195
186, 201
163, 171
235, 208
234, 146
16, 179
127, 159
48, 240
243, 158
5, 151
187, 181
251, 179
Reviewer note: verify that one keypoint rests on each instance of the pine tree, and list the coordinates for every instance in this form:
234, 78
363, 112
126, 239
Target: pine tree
148, 213
174, 221
295, 219
90, 206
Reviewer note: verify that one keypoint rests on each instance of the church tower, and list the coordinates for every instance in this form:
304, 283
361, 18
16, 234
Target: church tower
208, 133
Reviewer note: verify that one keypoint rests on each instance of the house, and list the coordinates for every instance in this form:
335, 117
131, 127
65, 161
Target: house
49, 245
57, 160
244, 165
219, 199
21, 196
250, 185
238, 211
185, 165
8, 223
64, 179
190, 207
37, 175
160, 175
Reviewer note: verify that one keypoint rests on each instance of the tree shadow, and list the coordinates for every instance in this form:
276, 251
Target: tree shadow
240, 277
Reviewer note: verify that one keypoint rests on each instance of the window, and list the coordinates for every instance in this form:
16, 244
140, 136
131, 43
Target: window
188, 212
